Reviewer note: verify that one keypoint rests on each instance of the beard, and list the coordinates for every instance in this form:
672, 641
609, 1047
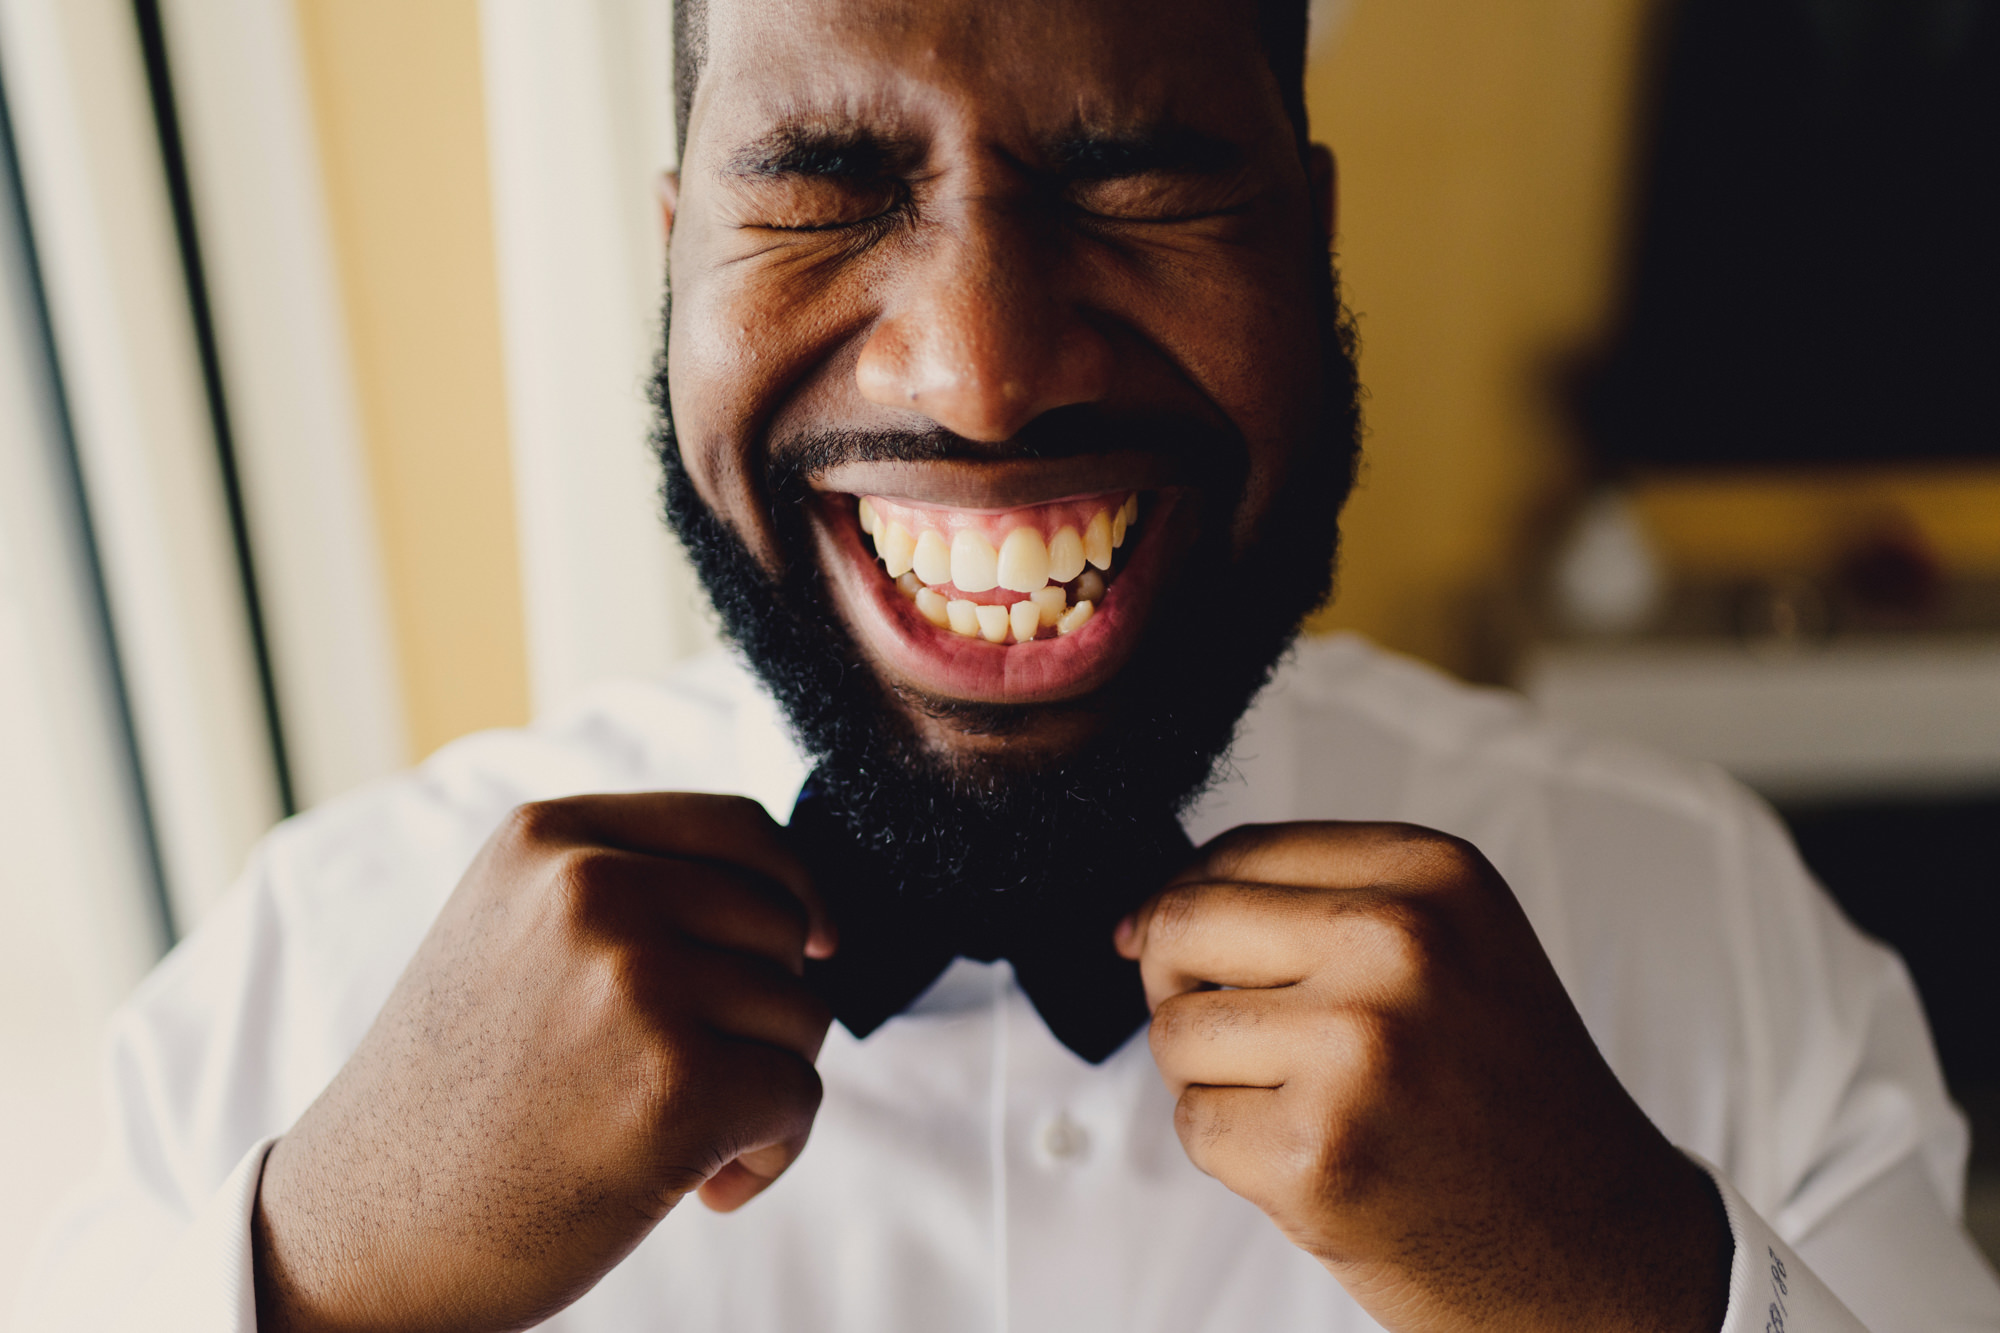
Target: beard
990, 836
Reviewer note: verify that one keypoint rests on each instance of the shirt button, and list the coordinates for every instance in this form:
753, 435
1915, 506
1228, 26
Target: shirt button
1064, 1140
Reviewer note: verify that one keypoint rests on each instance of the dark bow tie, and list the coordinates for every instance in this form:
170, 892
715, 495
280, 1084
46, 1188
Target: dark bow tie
894, 944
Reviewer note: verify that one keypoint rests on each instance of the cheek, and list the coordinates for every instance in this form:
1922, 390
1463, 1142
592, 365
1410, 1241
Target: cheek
1240, 335
737, 353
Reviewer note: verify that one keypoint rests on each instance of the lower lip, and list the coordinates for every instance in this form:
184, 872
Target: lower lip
951, 666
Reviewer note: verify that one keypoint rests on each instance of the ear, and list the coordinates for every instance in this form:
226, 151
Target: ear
1323, 176
670, 198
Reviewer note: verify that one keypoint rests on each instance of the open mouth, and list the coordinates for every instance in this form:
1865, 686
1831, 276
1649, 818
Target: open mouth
1006, 578
1033, 602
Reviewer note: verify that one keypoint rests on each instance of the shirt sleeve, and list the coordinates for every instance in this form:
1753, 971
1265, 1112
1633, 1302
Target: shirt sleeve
206, 1280
1855, 1155
1770, 1289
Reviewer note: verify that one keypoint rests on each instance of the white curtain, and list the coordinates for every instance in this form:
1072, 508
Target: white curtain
580, 125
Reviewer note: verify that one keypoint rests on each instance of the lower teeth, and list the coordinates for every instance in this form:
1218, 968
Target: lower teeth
1017, 622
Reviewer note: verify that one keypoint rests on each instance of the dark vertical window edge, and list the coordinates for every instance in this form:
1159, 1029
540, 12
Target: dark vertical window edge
173, 158
60, 418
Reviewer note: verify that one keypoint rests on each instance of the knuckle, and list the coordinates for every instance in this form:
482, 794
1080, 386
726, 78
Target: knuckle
1204, 1016
659, 1078
717, 808
1176, 914
539, 823
1368, 1052
1436, 858
1401, 939
1342, 1159
810, 1011
578, 880
1202, 1120
1169, 1026
786, 1085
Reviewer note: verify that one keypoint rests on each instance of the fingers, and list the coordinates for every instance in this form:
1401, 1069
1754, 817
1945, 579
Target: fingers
688, 826
1330, 854
1219, 934
770, 1137
1250, 1139
718, 905
749, 1000
1228, 1038
1275, 905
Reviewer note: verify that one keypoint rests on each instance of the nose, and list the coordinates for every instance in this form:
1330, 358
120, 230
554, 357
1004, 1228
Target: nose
978, 335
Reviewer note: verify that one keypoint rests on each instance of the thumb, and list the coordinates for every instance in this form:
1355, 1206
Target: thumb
745, 1178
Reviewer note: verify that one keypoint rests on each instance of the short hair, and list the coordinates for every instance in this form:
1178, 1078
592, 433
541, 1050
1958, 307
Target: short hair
1281, 30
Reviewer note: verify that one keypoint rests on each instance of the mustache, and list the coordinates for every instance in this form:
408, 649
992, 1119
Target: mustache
1212, 456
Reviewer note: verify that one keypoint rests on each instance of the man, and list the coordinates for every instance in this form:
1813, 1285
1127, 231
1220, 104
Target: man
1007, 410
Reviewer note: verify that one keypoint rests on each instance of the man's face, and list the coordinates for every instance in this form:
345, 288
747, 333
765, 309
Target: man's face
1000, 269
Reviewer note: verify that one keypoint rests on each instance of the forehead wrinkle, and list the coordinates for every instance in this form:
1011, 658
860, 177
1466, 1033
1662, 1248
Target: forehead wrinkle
930, 87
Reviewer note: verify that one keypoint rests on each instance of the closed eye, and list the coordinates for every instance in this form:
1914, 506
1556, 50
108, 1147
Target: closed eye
1162, 199
814, 204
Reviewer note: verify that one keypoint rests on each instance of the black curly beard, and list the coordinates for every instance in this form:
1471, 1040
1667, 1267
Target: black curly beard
993, 833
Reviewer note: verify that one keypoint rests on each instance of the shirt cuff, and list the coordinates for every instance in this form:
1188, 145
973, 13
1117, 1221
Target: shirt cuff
207, 1279
1770, 1291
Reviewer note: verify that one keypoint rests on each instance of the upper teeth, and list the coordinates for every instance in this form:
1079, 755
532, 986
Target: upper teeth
922, 558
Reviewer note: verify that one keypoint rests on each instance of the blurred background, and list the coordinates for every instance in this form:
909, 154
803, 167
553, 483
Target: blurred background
324, 327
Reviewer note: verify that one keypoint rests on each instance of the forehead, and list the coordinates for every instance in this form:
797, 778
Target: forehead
1034, 65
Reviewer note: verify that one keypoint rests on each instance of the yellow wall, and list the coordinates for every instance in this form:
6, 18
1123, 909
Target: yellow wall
397, 95
1482, 151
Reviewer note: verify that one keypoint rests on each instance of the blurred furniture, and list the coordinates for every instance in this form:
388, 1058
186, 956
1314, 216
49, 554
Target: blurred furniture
1879, 716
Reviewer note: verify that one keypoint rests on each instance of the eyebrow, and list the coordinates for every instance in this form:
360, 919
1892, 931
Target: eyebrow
1165, 148
852, 152
843, 152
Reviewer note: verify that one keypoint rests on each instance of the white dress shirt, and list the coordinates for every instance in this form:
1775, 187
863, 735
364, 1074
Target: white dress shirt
966, 1171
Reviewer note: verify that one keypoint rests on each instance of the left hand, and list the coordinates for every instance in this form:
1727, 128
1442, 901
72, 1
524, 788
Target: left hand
1393, 1072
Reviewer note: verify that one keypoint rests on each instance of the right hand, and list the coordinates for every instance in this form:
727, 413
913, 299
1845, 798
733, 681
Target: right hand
607, 1015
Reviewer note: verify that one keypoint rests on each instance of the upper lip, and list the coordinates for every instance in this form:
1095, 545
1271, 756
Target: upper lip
1000, 484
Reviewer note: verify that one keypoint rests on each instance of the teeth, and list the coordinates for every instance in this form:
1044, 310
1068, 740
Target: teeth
1024, 618
993, 623
1024, 561
1062, 575
974, 566
1097, 540
897, 548
933, 558
1065, 555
